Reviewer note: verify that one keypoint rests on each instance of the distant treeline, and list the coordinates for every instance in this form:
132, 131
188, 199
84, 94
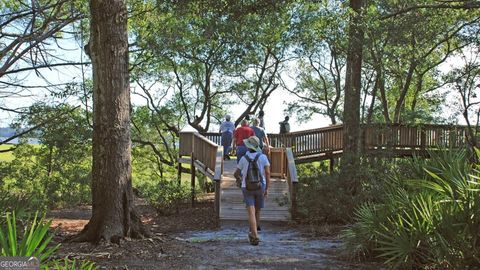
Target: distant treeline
7, 132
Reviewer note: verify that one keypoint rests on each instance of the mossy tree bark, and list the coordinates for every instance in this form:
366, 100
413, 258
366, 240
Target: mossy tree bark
113, 212
351, 140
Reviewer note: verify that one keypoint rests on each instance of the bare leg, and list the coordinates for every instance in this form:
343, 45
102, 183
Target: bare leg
257, 216
252, 221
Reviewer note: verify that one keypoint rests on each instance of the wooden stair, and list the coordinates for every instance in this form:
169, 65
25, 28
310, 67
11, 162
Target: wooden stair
277, 203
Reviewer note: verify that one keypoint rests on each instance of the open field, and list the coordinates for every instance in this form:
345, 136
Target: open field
7, 156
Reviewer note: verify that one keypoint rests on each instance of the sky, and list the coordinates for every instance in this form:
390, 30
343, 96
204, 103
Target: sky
274, 113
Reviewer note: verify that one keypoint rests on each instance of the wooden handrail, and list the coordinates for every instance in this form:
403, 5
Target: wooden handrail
205, 139
292, 180
291, 168
328, 141
217, 175
206, 155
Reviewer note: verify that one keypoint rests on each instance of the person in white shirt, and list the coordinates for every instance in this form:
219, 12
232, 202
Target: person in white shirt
226, 129
254, 199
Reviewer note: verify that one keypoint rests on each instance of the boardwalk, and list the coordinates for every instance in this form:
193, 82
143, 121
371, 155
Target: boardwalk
204, 154
231, 200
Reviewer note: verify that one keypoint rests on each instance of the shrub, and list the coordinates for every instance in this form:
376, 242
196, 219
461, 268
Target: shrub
326, 198
164, 195
20, 203
49, 182
333, 204
432, 221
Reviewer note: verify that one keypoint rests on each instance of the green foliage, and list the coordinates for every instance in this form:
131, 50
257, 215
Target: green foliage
67, 264
20, 204
56, 172
208, 55
165, 195
430, 219
337, 201
31, 238
33, 242
320, 32
60, 182
323, 209
6, 156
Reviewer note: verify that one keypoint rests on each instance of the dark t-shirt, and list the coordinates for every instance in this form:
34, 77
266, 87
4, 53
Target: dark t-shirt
284, 127
260, 133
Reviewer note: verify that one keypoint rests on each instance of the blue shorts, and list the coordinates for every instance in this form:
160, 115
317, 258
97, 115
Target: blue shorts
254, 198
241, 151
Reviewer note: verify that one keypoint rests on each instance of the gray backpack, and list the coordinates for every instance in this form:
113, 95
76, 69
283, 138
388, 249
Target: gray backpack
253, 179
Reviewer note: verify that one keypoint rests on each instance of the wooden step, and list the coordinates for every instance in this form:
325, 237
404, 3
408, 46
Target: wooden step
271, 192
277, 204
241, 214
232, 184
273, 202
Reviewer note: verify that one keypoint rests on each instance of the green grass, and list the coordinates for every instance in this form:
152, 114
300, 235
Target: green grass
6, 156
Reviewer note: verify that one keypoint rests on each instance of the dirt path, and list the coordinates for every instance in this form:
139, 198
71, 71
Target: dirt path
281, 247
191, 239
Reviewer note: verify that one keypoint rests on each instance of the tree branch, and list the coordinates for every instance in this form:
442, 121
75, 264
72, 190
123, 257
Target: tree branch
450, 5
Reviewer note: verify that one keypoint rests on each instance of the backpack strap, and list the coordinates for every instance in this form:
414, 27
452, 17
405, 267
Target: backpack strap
257, 156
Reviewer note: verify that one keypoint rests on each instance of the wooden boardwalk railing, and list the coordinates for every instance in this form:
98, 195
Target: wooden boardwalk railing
383, 139
420, 137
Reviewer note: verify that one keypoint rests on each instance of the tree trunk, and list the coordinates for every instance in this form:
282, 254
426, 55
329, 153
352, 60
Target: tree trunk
113, 213
403, 93
372, 104
351, 114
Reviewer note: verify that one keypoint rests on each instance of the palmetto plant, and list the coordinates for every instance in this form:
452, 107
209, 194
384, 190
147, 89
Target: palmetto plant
34, 238
67, 264
359, 238
404, 237
430, 221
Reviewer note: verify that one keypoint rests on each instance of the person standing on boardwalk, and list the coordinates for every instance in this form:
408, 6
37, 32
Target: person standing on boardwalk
262, 136
226, 129
254, 198
261, 115
240, 134
284, 126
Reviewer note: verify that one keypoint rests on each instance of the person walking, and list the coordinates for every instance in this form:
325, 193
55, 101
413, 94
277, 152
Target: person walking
284, 126
240, 134
226, 129
254, 198
262, 136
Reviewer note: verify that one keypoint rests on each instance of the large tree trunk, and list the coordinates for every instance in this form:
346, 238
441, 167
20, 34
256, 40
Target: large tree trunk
351, 114
113, 214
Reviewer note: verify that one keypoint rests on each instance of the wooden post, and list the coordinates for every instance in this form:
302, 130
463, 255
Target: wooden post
217, 178
292, 180
217, 199
423, 139
294, 200
179, 173
192, 179
332, 165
